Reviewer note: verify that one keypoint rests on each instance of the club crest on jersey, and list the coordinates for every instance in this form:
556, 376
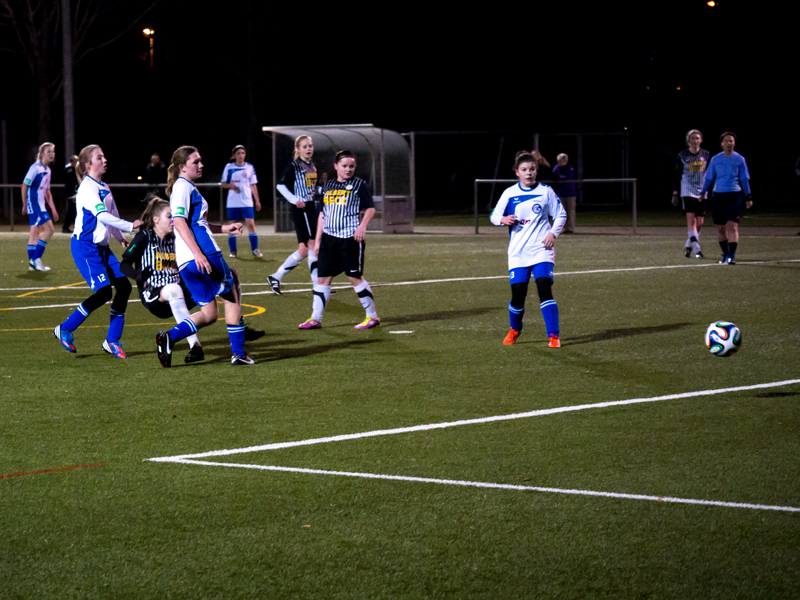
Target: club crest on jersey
537, 208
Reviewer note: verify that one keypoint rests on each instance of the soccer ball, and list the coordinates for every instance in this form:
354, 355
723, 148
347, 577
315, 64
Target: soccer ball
723, 338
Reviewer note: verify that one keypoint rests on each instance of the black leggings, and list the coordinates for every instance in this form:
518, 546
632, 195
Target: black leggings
519, 291
103, 295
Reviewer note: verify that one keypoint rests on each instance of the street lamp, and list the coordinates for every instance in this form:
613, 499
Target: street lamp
149, 33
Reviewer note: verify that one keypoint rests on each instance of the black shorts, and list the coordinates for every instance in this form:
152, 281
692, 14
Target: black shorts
340, 255
160, 309
305, 222
726, 206
697, 206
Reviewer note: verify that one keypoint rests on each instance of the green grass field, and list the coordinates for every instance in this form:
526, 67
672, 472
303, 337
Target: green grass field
575, 512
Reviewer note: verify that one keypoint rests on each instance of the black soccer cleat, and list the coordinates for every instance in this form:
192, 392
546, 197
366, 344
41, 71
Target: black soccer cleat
237, 360
196, 354
251, 334
275, 284
687, 252
164, 347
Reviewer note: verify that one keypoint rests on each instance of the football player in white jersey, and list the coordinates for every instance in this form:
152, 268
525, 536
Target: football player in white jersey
202, 268
239, 178
93, 257
526, 208
35, 198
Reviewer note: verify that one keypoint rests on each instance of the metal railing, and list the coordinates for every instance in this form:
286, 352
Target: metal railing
618, 180
16, 196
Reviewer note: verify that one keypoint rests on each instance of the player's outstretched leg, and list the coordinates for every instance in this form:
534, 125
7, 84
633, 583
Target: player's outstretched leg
64, 331
516, 312
364, 293
294, 259
322, 294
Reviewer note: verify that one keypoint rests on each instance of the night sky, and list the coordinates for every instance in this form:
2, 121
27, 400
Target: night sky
429, 66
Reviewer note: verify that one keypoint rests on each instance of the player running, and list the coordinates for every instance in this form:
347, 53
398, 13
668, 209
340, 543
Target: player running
298, 185
526, 208
239, 178
93, 257
202, 268
35, 196
687, 189
340, 239
727, 173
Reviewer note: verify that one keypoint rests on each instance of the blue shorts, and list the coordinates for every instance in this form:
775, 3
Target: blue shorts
204, 287
237, 213
38, 217
97, 264
523, 274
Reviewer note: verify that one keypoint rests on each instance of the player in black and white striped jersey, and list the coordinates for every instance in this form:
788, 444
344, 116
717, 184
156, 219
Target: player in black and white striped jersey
150, 260
340, 239
690, 171
299, 186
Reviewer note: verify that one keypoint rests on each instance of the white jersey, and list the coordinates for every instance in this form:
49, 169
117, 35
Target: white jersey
92, 216
38, 181
185, 202
243, 177
534, 208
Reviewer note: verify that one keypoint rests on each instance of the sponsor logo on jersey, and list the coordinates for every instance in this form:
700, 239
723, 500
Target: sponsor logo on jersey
100, 207
337, 196
180, 211
27, 182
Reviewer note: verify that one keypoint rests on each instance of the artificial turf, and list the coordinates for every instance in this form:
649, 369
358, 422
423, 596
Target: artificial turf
133, 528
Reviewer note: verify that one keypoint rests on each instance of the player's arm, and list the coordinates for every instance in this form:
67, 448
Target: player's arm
256, 199
24, 199
559, 219
183, 230
231, 228
498, 216
48, 198
366, 204
676, 181
132, 257
744, 181
226, 180
711, 175
320, 225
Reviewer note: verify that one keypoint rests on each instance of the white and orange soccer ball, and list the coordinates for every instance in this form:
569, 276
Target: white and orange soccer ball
723, 338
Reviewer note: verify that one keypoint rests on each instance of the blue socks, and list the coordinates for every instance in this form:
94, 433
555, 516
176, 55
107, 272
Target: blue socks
75, 319
515, 316
183, 330
550, 314
115, 326
40, 249
253, 241
232, 243
236, 333
32, 252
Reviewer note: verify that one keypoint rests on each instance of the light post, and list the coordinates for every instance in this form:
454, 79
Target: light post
149, 33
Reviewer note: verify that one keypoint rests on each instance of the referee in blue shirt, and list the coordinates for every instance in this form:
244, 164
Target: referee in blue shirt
727, 174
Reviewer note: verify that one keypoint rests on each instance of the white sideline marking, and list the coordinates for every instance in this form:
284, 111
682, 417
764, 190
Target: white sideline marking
401, 332
268, 290
501, 486
525, 415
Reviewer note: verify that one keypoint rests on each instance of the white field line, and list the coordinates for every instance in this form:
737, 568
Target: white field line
268, 290
510, 417
496, 486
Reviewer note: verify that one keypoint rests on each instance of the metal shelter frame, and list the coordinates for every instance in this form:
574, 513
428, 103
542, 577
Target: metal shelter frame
394, 211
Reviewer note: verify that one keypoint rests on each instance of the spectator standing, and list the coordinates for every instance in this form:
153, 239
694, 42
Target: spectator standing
156, 171
565, 172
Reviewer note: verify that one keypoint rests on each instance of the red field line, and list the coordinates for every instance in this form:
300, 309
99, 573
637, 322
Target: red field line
51, 470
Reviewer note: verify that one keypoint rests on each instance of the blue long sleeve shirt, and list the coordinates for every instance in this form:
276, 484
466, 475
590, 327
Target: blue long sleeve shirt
727, 174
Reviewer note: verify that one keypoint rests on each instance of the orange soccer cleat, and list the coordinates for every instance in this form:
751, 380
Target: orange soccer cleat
511, 338
554, 341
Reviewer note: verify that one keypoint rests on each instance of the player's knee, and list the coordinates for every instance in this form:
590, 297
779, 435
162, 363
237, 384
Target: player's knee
518, 293
544, 285
102, 296
122, 285
171, 291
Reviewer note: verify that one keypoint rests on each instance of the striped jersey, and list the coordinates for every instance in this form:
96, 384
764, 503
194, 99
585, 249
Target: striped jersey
185, 202
153, 259
690, 171
727, 174
534, 208
38, 181
242, 177
300, 179
92, 213
342, 201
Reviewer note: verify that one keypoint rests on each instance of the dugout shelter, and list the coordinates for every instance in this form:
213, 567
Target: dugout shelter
383, 160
